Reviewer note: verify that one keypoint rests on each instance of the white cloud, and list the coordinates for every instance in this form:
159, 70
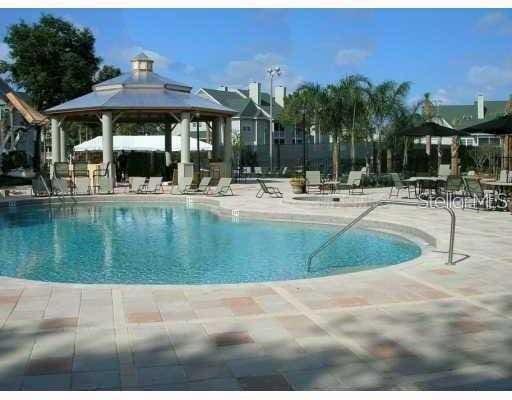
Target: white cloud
4, 51
238, 73
441, 96
351, 56
497, 22
489, 77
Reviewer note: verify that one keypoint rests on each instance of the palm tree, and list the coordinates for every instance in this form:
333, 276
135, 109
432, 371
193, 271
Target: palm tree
339, 113
384, 100
403, 118
306, 104
427, 111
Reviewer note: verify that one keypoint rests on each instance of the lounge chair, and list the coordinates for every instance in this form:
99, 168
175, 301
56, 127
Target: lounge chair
258, 171
247, 171
444, 170
354, 181
272, 191
313, 179
80, 168
60, 186
82, 185
185, 185
137, 184
222, 189
154, 185
503, 175
398, 185
41, 187
204, 184
102, 180
202, 187
474, 191
453, 185
61, 170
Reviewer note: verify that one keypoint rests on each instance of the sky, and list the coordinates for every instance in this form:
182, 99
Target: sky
453, 54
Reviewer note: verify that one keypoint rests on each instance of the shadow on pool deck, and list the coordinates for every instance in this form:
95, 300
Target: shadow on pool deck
441, 348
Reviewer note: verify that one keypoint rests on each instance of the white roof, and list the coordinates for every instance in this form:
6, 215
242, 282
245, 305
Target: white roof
140, 143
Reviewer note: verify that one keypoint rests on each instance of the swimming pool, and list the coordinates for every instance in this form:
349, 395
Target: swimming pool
162, 243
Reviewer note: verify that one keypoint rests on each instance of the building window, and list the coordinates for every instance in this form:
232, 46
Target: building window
246, 129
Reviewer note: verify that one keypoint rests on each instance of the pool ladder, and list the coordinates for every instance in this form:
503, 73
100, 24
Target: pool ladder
59, 194
333, 238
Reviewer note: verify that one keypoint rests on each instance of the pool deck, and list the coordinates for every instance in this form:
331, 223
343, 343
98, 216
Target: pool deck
418, 325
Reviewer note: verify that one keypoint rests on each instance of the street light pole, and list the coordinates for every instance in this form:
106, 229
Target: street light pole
275, 71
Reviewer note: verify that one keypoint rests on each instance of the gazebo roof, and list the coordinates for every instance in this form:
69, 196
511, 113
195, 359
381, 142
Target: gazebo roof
140, 90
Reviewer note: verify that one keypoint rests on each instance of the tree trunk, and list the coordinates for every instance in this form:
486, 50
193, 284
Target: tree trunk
353, 148
455, 155
379, 151
428, 144
389, 161
335, 157
405, 161
366, 157
439, 153
507, 153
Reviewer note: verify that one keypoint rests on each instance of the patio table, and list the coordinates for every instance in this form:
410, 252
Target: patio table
331, 185
500, 187
419, 183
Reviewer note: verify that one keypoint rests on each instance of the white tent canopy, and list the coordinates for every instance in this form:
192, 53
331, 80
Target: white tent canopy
140, 143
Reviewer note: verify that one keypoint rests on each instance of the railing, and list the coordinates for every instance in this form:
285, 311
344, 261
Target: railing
368, 211
60, 192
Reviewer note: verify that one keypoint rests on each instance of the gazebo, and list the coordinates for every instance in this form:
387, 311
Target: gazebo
144, 96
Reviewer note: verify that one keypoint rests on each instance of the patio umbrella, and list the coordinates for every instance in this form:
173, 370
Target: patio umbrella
429, 129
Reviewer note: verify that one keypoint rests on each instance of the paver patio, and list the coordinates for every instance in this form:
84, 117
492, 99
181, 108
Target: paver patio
417, 325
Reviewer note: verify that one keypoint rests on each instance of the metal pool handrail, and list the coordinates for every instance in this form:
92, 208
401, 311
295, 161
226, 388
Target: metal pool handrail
368, 211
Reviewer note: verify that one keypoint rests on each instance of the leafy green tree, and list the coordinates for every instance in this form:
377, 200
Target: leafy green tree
106, 72
52, 59
303, 108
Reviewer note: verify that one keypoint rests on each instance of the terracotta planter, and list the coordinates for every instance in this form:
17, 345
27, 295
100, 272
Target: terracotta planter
298, 189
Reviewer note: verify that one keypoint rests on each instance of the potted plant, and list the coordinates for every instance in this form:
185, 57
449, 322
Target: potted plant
298, 185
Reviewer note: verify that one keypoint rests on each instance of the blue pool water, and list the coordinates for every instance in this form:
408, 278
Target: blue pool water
162, 243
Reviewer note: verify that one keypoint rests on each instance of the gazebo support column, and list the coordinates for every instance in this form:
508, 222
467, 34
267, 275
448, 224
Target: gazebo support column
185, 167
228, 147
55, 143
108, 147
168, 151
62, 134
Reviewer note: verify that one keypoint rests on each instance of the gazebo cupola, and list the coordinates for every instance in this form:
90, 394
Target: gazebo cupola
142, 63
